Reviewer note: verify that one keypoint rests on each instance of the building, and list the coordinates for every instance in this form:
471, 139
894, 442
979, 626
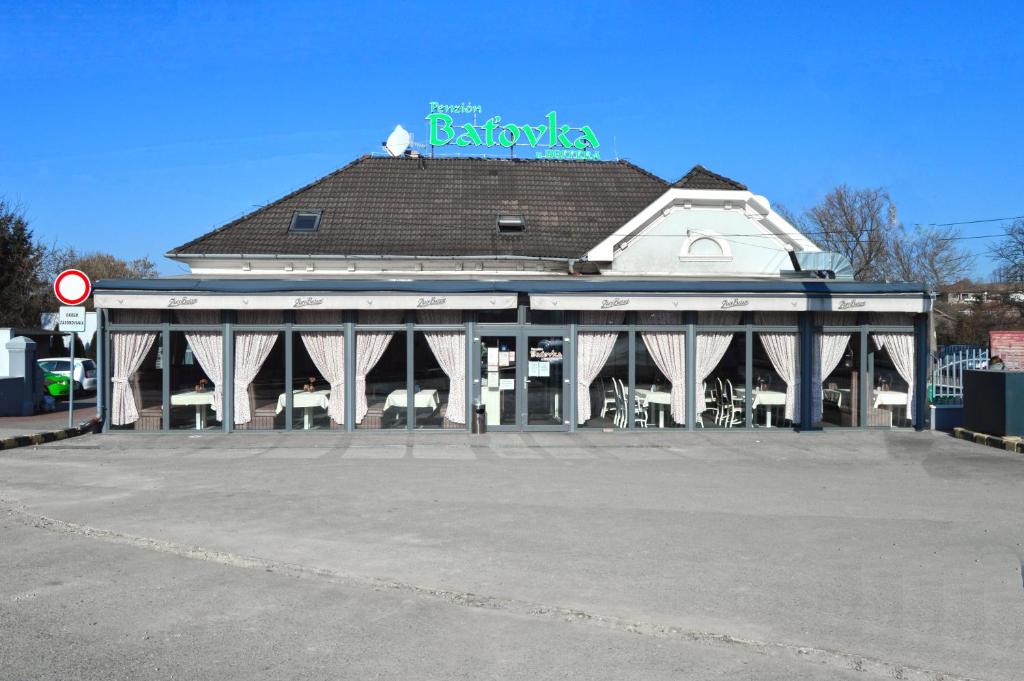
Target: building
558, 295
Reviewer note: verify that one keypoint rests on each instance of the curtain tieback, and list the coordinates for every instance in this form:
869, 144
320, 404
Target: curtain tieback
115, 379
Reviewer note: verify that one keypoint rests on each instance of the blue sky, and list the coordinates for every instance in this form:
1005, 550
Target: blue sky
134, 127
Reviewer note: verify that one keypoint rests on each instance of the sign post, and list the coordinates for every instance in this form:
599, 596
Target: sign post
72, 287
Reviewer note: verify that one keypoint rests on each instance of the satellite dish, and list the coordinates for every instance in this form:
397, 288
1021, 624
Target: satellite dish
398, 141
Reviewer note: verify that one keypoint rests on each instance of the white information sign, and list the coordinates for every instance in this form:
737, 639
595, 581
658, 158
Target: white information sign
72, 319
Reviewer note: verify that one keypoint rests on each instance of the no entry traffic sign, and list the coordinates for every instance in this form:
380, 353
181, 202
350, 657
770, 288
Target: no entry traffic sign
72, 287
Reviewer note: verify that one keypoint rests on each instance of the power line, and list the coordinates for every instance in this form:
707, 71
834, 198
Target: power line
969, 222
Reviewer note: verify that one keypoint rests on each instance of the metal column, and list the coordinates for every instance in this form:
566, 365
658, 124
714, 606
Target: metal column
805, 375
691, 370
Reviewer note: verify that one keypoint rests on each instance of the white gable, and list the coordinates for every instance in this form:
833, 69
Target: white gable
703, 233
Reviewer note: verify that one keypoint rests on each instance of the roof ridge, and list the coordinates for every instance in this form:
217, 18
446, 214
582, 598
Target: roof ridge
698, 169
337, 171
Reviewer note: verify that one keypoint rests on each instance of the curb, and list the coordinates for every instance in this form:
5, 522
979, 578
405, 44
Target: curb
1010, 444
89, 426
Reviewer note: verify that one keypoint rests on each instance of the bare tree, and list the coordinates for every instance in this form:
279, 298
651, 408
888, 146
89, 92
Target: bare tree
1009, 254
929, 255
861, 224
857, 223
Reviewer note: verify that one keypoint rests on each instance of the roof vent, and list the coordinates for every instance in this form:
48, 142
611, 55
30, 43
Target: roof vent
511, 224
305, 221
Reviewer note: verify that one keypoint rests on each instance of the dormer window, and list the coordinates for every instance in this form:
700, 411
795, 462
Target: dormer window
305, 221
511, 223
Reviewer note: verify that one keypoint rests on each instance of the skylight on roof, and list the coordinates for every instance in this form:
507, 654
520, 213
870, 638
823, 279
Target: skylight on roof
511, 224
305, 221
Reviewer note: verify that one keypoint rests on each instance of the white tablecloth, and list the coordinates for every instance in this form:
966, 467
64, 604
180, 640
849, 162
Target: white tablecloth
192, 397
654, 396
887, 397
304, 400
425, 399
890, 397
764, 398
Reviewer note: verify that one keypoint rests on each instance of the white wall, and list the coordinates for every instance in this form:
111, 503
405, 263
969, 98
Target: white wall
750, 250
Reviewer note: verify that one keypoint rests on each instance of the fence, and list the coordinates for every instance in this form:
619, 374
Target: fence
948, 367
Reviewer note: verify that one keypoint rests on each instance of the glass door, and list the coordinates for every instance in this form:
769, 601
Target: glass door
544, 375
498, 379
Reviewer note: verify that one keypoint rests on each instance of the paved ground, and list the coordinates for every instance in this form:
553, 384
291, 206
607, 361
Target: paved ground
438, 556
12, 426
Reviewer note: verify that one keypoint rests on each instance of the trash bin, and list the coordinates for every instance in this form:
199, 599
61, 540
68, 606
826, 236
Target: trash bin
479, 419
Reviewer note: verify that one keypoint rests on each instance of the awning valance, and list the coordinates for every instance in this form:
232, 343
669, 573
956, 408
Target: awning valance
740, 302
305, 301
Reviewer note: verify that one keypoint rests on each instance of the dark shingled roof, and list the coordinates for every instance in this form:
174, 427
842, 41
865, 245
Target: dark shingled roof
700, 177
446, 207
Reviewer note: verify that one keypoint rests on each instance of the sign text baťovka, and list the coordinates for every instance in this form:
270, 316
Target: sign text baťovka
559, 141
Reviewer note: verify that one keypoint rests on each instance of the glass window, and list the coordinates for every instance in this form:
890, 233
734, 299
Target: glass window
602, 404
259, 380
509, 316
722, 393
545, 316
197, 358
836, 373
141, 351
660, 369
380, 376
775, 359
439, 378
890, 396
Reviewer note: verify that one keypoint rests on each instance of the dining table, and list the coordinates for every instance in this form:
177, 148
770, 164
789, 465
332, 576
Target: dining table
879, 397
764, 398
656, 400
200, 399
306, 401
423, 399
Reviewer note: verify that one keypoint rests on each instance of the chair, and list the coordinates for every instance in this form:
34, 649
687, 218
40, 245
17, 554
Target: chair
639, 408
609, 398
261, 416
150, 418
735, 407
722, 406
620, 404
710, 404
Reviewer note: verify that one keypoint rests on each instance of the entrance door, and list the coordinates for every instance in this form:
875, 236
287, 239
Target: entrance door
544, 382
498, 380
522, 378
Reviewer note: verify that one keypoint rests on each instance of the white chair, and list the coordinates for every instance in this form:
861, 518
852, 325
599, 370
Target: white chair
608, 397
639, 409
620, 405
735, 408
722, 407
710, 404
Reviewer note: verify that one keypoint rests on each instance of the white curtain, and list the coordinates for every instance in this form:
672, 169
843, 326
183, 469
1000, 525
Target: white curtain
900, 347
251, 350
592, 351
327, 350
828, 350
449, 347
711, 346
370, 347
208, 349
129, 349
668, 350
783, 352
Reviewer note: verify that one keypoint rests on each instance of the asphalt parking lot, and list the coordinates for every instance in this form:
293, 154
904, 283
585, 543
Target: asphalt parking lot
440, 556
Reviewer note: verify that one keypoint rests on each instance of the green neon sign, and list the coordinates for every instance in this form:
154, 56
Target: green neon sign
549, 140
